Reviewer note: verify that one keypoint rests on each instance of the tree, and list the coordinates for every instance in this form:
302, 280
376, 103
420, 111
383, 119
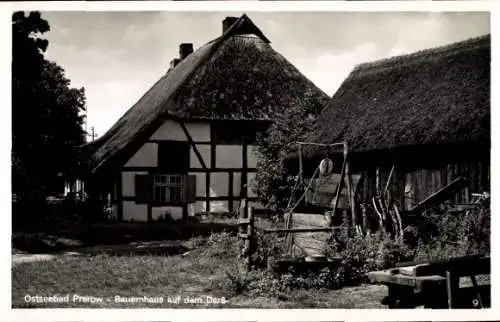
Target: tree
46, 112
273, 181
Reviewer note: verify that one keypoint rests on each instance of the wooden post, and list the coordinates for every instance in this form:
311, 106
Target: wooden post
377, 181
339, 188
249, 245
478, 294
299, 150
243, 206
246, 232
350, 196
452, 285
289, 236
364, 219
241, 226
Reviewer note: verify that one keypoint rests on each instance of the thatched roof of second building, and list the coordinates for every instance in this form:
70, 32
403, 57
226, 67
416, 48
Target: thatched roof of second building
235, 76
433, 97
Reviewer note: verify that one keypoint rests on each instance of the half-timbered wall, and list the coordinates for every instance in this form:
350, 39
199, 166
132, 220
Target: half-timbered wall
222, 162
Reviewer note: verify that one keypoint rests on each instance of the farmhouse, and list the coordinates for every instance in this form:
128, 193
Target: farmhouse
188, 145
425, 115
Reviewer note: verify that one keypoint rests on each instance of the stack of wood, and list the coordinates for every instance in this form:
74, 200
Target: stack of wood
388, 216
386, 211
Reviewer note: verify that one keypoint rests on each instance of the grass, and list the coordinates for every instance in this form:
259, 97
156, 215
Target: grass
212, 269
50, 239
195, 276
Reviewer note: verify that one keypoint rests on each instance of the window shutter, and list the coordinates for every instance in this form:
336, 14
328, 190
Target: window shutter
190, 189
143, 188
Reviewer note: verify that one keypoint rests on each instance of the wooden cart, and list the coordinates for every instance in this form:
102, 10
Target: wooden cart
436, 284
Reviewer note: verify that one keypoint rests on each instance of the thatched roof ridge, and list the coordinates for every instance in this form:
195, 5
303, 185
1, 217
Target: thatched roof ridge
235, 76
439, 96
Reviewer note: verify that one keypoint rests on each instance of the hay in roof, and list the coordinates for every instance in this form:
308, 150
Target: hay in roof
237, 76
435, 97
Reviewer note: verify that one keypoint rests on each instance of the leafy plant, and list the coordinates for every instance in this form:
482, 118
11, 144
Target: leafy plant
273, 181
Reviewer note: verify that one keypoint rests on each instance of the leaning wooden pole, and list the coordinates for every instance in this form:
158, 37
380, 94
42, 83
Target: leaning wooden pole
350, 195
340, 186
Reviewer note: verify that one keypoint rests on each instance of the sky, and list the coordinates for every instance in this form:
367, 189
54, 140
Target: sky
118, 56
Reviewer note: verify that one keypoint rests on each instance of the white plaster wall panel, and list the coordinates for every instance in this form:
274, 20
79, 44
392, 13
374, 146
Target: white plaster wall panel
229, 156
236, 184
146, 156
196, 208
170, 130
204, 150
135, 212
175, 212
219, 184
250, 184
199, 132
219, 206
200, 183
252, 156
256, 205
128, 182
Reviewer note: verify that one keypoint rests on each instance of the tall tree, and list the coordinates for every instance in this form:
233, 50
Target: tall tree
46, 112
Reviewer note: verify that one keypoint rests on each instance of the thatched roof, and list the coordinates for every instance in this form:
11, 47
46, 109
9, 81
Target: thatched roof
439, 96
235, 76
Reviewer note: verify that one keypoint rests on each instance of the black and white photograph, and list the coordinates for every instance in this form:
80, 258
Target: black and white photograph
251, 159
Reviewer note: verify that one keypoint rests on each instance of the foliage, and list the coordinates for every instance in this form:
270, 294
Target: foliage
268, 248
456, 234
465, 233
361, 254
273, 182
165, 217
46, 113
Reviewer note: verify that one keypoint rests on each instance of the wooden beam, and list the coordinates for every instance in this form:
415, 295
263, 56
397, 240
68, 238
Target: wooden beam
191, 142
199, 170
440, 195
230, 191
119, 197
299, 230
339, 187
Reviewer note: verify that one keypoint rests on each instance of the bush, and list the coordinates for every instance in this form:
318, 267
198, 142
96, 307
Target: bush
272, 182
456, 234
362, 254
268, 248
452, 235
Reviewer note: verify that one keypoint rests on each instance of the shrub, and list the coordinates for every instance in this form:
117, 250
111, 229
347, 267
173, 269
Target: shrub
451, 235
268, 248
165, 217
456, 234
362, 254
272, 182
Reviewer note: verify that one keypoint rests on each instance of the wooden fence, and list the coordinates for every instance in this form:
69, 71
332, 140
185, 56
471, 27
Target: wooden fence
309, 232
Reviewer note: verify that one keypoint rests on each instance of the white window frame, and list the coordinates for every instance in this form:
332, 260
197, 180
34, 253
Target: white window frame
164, 187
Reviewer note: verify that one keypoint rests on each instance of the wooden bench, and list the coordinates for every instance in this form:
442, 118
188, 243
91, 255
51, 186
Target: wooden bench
435, 284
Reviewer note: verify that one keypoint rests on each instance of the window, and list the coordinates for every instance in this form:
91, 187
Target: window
168, 188
162, 189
